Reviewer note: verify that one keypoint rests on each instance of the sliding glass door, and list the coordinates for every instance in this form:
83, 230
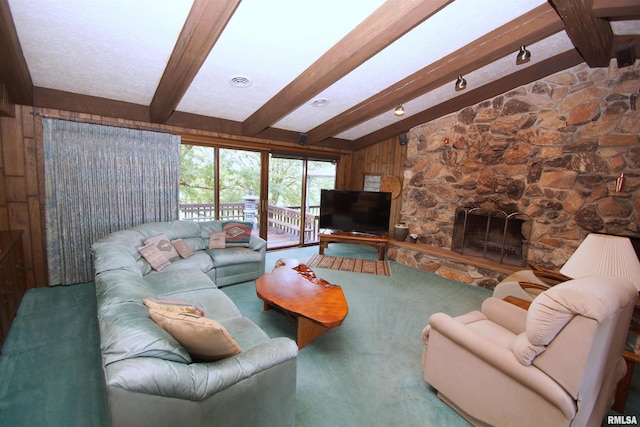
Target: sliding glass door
225, 183
294, 198
321, 175
219, 183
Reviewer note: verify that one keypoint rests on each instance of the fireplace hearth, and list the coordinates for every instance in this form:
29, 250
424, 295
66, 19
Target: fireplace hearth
495, 235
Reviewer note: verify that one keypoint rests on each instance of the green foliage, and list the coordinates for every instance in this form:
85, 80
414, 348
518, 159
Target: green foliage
197, 184
240, 174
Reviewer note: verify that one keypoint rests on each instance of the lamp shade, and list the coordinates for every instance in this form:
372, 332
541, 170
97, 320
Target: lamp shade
602, 254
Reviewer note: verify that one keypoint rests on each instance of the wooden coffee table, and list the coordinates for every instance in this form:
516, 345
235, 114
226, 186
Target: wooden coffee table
313, 304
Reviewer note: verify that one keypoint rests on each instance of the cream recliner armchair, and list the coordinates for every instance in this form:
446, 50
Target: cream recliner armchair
556, 364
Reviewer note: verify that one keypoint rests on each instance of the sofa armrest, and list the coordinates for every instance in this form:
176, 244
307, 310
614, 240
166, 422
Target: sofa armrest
498, 358
198, 381
257, 243
507, 315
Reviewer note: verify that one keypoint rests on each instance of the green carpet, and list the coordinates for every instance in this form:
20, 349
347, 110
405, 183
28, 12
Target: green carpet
365, 372
50, 368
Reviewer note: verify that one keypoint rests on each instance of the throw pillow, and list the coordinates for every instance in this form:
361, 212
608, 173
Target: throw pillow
205, 339
154, 257
237, 233
217, 240
175, 306
183, 249
164, 245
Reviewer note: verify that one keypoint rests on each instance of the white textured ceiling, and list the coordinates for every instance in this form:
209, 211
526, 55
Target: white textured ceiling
118, 49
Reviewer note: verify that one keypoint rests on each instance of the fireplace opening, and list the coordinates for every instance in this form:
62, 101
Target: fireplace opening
495, 235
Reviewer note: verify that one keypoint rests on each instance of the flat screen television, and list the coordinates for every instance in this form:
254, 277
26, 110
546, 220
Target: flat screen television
355, 211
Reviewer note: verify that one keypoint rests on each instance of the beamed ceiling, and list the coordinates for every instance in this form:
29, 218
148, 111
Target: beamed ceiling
333, 70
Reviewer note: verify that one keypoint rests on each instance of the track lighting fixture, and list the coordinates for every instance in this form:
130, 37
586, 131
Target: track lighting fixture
399, 111
524, 56
461, 84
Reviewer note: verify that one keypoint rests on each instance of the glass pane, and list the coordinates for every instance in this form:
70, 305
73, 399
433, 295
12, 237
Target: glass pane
321, 175
197, 183
239, 185
285, 197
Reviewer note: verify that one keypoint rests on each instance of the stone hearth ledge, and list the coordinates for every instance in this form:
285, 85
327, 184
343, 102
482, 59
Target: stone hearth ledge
446, 263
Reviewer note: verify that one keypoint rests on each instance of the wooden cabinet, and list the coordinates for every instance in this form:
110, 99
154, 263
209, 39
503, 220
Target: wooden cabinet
12, 283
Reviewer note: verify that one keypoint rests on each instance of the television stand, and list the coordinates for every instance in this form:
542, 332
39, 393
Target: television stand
332, 236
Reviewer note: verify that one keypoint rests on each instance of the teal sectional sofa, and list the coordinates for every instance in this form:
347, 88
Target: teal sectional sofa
151, 378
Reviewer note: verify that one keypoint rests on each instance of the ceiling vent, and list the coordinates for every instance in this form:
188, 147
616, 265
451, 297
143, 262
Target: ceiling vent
320, 102
240, 81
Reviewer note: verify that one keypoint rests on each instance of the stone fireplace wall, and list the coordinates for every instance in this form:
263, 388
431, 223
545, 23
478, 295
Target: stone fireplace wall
552, 149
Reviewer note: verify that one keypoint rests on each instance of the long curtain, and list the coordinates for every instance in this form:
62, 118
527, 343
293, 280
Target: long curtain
100, 179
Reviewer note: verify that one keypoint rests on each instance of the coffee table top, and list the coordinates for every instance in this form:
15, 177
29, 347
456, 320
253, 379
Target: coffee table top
304, 295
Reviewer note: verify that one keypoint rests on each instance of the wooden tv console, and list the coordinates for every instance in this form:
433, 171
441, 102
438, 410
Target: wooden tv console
377, 240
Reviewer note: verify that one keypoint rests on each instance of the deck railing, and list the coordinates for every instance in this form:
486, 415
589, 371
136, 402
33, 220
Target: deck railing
282, 219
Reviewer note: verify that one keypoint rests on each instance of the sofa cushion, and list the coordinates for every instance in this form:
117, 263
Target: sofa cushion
205, 339
172, 305
233, 256
174, 281
127, 332
119, 251
172, 229
164, 245
199, 261
156, 259
184, 250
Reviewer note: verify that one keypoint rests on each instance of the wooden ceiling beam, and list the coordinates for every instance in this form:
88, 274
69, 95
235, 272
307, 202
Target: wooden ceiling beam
616, 9
13, 66
201, 30
533, 26
385, 25
591, 36
87, 104
96, 106
523, 77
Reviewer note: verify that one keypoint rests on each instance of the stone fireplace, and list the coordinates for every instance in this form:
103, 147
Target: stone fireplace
495, 235
551, 150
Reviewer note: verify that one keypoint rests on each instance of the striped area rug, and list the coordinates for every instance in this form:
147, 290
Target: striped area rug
355, 265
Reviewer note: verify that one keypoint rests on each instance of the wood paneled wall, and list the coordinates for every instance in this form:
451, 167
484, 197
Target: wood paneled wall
385, 158
22, 173
22, 189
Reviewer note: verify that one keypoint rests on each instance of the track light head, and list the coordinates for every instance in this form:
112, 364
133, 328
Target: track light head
461, 83
524, 56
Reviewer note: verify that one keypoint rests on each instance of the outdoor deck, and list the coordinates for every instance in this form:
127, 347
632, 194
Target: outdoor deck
284, 223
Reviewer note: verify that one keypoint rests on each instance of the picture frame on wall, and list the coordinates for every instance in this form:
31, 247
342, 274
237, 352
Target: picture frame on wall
371, 182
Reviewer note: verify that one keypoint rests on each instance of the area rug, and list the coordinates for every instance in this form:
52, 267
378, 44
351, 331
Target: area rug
356, 265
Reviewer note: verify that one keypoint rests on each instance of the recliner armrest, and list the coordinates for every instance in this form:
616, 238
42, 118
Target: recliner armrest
507, 315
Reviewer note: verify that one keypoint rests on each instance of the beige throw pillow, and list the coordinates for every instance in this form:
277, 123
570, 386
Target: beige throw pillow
174, 306
182, 247
205, 339
217, 240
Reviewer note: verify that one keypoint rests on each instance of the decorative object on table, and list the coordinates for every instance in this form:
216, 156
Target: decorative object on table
400, 231
391, 184
413, 237
371, 182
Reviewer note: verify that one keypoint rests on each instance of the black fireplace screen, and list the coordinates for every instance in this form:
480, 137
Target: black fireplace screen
495, 235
